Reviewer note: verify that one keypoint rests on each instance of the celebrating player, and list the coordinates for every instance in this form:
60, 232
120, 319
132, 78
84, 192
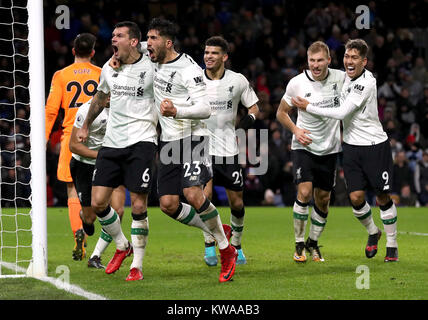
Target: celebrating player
367, 160
180, 99
70, 88
225, 89
82, 167
129, 146
315, 146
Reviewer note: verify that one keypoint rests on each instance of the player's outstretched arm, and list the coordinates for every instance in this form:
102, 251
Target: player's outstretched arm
339, 113
199, 110
283, 117
79, 148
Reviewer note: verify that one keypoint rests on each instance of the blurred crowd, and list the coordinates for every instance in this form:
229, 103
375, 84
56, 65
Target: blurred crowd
268, 41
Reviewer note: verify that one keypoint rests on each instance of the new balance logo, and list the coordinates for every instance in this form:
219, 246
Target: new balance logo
198, 80
115, 75
140, 92
307, 95
359, 87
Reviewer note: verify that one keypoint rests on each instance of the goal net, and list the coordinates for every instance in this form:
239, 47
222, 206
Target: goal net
23, 245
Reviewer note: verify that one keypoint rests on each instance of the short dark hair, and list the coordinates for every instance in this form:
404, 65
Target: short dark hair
133, 29
360, 45
218, 41
84, 44
165, 28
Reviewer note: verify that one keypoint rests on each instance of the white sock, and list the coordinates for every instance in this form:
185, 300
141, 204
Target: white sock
388, 214
189, 217
237, 224
209, 215
364, 214
300, 218
318, 221
111, 224
139, 238
103, 242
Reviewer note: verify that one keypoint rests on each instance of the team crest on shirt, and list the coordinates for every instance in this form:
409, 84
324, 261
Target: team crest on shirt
142, 76
299, 173
230, 89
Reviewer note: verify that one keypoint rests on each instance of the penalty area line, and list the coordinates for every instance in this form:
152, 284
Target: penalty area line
61, 285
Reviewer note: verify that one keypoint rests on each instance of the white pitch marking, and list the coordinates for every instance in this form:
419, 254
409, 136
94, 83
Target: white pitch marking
71, 288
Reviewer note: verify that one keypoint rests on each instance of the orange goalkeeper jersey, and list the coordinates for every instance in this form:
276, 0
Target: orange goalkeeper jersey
70, 88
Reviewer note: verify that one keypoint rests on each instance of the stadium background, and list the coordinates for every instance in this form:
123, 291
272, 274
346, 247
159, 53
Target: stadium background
268, 45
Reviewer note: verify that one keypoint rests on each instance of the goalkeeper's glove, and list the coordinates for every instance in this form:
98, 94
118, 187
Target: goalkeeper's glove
247, 121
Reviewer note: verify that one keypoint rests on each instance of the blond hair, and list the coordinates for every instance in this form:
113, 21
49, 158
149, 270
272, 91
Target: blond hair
318, 46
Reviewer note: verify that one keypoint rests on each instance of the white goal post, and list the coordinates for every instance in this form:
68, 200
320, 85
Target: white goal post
35, 238
38, 267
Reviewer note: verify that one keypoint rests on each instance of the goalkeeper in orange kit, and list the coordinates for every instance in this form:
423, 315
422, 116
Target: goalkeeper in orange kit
70, 88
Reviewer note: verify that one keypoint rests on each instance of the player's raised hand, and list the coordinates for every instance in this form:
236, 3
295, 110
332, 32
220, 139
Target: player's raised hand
167, 108
300, 102
302, 136
114, 63
82, 134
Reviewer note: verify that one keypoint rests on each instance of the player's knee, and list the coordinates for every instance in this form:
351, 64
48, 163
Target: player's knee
237, 204
305, 194
194, 196
168, 206
98, 205
139, 207
356, 199
383, 199
322, 201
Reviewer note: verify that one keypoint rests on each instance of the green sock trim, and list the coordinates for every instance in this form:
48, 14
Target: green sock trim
317, 223
366, 215
389, 221
109, 221
139, 231
300, 216
106, 237
189, 217
210, 215
236, 228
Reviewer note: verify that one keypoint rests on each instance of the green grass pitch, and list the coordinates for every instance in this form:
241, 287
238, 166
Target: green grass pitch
174, 269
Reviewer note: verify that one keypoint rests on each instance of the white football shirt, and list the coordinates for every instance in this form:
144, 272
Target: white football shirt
96, 132
132, 114
182, 81
358, 110
223, 96
325, 132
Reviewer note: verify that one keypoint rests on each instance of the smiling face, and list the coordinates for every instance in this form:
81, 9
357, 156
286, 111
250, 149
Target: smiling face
122, 44
157, 46
318, 64
354, 63
214, 58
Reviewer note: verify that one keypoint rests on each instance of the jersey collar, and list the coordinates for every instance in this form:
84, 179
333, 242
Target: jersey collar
362, 73
311, 79
176, 58
222, 76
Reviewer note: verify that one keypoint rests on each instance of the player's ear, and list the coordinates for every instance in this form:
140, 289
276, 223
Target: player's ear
169, 43
92, 53
225, 57
73, 51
